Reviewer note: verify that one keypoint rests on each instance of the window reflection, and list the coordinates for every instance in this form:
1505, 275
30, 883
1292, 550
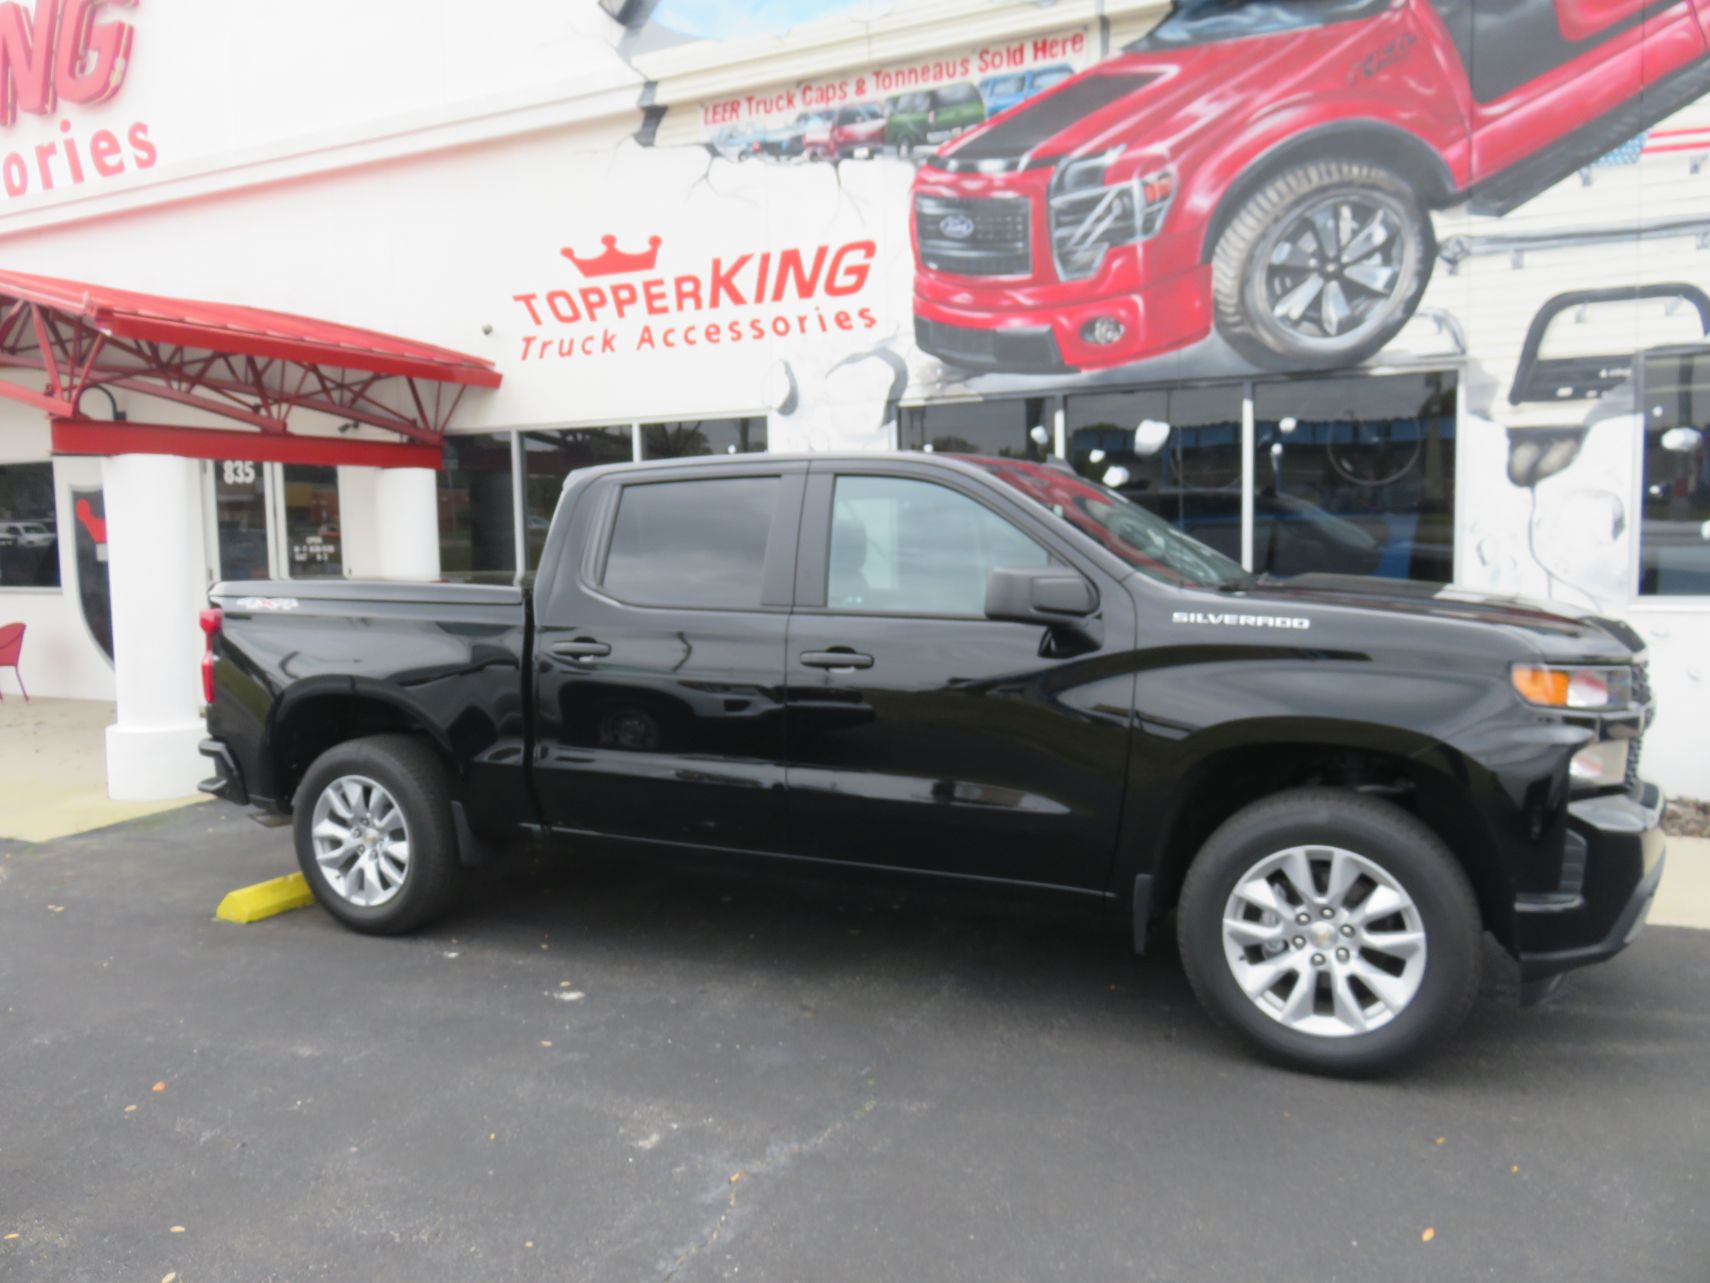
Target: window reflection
477, 529
550, 457
29, 533
1355, 476
1175, 453
1674, 541
240, 515
688, 437
1018, 429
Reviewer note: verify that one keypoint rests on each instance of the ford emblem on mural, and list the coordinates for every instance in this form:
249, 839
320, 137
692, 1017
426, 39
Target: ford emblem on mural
958, 227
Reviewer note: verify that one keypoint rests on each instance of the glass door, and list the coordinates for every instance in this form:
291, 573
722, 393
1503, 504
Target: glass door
241, 548
309, 502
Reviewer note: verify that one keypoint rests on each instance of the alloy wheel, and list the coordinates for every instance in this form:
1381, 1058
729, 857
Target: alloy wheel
1336, 271
362, 844
1324, 941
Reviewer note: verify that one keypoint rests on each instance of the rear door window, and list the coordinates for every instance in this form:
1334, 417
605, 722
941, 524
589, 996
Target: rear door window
691, 543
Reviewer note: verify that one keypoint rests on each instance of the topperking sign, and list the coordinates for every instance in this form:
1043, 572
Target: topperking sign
55, 57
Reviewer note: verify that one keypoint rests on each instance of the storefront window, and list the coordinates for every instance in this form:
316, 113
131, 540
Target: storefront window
29, 532
1674, 539
477, 527
703, 436
1020, 429
312, 545
1175, 453
240, 516
549, 457
1355, 476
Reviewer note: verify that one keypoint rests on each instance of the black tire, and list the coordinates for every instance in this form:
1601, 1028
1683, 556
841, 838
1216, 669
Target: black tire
1409, 853
1246, 285
416, 779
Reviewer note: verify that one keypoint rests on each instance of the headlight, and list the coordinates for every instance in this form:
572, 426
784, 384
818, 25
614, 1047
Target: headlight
1560, 686
1600, 765
1089, 216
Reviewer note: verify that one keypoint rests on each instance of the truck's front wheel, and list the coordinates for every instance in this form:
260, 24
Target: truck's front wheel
374, 834
1322, 266
1334, 930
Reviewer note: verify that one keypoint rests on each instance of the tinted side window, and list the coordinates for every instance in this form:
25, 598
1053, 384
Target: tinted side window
691, 543
916, 548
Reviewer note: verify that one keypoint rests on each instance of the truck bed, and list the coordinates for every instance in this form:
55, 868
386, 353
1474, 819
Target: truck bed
301, 659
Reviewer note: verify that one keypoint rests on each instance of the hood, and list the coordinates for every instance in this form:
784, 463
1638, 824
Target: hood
1158, 100
1554, 631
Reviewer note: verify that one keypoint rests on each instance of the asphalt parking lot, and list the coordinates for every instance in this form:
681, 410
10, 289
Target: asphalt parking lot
616, 1070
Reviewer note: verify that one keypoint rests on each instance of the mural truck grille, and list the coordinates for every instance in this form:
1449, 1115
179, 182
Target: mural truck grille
974, 236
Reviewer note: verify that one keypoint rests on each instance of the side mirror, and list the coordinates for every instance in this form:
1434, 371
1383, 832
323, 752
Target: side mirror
1048, 595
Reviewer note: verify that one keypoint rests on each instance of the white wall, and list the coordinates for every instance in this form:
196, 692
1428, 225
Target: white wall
1677, 750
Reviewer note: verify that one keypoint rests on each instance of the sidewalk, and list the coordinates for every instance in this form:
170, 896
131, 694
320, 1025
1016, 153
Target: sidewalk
53, 770
1684, 897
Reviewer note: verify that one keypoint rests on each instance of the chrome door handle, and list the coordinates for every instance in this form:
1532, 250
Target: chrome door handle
581, 649
838, 661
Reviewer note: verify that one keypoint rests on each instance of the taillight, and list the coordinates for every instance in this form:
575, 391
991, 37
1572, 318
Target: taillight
210, 621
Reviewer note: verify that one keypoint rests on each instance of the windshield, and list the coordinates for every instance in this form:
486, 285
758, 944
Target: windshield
953, 95
1143, 539
1198, 22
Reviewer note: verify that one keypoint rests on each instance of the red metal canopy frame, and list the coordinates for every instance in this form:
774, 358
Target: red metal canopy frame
240, 363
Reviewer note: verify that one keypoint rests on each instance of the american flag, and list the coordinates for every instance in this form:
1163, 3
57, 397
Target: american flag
1660, 141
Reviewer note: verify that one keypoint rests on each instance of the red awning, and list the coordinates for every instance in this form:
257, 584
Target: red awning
242, 363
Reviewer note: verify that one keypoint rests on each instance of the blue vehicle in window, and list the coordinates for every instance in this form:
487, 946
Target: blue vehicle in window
1003, 92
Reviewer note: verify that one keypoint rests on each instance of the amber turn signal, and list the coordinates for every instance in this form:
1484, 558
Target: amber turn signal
1538, 685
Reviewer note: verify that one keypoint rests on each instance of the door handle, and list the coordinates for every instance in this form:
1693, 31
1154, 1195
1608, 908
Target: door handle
838, 661
581, 649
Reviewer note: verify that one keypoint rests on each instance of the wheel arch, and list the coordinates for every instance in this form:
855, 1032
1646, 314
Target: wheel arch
312, 717
1369, 141
1241, 765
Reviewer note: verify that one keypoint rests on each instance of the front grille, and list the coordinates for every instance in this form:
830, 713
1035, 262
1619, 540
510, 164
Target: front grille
1642, 701
975, 235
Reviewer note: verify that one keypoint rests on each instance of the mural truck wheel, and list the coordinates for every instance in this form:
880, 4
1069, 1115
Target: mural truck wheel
1322, 266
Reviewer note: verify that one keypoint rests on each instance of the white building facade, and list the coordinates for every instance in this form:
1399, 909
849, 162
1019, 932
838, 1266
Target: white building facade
1082, 228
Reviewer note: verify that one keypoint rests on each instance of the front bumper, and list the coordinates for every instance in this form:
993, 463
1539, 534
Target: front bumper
1620, 842
989, 325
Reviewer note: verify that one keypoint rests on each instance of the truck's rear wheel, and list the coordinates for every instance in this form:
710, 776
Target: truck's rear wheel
1333, 930
1322, 266
374, 834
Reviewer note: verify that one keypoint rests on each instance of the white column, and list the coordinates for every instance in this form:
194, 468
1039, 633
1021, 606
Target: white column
358, 525
154, 565
407, 524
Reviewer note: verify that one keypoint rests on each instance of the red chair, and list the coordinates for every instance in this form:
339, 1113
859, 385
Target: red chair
11, 643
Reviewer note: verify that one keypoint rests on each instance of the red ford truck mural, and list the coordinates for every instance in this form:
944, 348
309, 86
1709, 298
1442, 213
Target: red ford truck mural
1268, 170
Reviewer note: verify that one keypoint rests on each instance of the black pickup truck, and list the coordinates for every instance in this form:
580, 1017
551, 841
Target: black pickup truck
985, 669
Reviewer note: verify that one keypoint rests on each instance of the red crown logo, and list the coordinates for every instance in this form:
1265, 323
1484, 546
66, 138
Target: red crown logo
614, 260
